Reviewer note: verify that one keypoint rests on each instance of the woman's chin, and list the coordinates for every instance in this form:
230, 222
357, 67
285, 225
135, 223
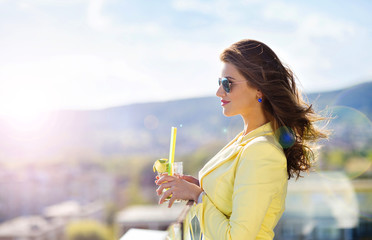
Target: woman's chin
227, 113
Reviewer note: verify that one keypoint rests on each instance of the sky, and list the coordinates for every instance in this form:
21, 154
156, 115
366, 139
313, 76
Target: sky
94, 54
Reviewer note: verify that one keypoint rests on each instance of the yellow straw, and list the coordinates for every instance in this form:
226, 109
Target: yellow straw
171, 150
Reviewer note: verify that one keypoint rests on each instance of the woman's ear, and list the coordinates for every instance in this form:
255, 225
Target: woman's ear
259, 94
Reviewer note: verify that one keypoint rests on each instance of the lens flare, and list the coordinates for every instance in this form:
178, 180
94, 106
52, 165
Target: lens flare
350, 144
286, 136
348, 150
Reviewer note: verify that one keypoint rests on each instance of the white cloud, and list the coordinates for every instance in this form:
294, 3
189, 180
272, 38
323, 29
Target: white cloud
193, 5
250, 2
35, 4
138, 60
95, 18
94, 10
224, 9
311, 44
66, 80
182, 68
316, 25
281, 11
148, 28
309, 23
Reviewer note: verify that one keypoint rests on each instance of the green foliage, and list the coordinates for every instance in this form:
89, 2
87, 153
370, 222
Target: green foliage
88, 230
133, 192
355, 163
369, 155
336, 158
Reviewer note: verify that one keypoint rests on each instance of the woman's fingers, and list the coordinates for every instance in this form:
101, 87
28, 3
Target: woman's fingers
178, 188
171, 201
190, 179
160, 175
165, 178
165, 195
163, 186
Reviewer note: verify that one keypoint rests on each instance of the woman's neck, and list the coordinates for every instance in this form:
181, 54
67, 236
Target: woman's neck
253, 123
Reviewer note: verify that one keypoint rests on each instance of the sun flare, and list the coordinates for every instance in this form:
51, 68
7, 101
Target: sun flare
24, 116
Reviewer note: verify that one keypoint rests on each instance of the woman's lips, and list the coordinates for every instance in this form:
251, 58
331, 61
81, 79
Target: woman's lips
224, 102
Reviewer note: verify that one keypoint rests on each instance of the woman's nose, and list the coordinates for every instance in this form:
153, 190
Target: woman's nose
220, 92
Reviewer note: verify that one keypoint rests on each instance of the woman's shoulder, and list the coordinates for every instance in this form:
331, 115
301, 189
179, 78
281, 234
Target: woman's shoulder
264, 147
264, 141
264, 160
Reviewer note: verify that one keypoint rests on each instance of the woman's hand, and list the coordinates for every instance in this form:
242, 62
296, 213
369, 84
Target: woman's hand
190, 179
178, 188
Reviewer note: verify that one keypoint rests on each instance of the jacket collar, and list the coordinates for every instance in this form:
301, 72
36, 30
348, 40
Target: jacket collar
264, 129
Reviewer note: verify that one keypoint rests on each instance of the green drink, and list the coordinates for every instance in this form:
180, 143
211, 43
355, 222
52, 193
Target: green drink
161, 166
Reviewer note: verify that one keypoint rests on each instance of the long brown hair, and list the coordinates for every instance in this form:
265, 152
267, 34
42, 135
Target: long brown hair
292, 119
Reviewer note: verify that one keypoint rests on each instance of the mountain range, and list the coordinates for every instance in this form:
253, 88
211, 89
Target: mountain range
144, 128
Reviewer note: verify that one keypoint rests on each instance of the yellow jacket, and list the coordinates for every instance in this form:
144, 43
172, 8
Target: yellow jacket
245, 187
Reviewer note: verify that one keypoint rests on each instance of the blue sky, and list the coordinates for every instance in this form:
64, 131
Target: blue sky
91, 54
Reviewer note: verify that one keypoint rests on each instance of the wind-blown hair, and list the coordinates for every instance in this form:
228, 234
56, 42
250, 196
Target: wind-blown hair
292, 119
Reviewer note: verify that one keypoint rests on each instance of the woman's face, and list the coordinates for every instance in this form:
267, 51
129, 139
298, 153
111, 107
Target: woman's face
242, 99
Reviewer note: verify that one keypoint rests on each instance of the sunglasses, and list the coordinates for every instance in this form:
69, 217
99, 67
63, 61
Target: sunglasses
226, 84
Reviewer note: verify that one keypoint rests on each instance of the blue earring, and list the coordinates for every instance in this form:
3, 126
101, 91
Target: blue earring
260, 100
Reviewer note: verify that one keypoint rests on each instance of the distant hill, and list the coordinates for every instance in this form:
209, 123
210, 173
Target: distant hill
358, 97
144, 129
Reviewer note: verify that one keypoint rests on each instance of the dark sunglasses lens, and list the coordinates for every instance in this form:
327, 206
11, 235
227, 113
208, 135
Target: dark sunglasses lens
225, 85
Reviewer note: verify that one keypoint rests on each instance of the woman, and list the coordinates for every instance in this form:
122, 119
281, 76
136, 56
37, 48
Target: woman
243, 188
